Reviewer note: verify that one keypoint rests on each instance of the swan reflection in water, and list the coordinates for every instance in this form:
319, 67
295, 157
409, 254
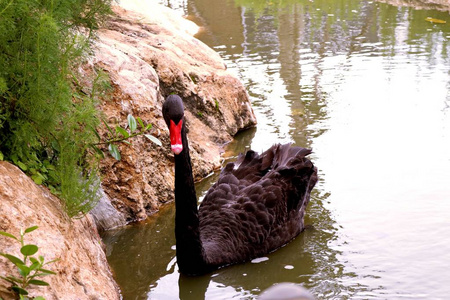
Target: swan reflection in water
143, 259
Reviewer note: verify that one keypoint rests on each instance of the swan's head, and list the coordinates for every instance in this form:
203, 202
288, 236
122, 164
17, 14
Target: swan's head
173, 112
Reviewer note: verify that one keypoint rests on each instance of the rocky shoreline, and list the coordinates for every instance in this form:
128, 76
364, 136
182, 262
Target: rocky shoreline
147, 59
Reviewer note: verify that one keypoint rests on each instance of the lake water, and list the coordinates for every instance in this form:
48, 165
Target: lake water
366, 85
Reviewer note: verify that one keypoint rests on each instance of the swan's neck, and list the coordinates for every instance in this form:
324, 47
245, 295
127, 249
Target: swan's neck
190, 253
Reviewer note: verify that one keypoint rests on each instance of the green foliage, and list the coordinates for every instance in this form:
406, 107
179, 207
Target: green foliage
28, 267
45, 123
216, 105
122, 135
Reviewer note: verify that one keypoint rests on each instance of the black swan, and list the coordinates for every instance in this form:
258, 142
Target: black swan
256, 206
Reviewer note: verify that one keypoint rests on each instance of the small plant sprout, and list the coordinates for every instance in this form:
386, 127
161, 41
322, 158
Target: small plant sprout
122, 135
29, 267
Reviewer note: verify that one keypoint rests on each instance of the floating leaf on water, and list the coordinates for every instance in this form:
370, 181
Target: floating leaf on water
259, 260
289, 267
433, 20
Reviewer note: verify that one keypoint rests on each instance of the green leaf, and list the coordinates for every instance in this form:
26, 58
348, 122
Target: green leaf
217, 104
30, 229
149, 126
2, 157
122, 132
34, 260
96, 134
114, 151
96, 149
47, 271
34, 266
109, 128
140, 122
44, 169
23, 270
37, 179
13, 259
52, 261
22, 166
48, 165
39, 298
29, 250
37, 282
11, 279
132, 122
19, 290
56, 146
14, 158
153, 139
8, 235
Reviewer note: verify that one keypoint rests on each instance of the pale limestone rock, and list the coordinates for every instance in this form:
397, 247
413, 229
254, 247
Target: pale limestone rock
82, 269
148, 55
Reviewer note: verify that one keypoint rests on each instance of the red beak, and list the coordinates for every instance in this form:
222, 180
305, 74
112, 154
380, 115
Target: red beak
175, 136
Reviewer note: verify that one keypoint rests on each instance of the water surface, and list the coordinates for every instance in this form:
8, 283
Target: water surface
366, 85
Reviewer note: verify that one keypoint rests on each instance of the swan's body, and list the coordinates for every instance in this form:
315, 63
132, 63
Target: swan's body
256, 206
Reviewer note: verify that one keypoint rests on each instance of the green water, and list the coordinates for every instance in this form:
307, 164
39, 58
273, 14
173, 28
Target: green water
367, 86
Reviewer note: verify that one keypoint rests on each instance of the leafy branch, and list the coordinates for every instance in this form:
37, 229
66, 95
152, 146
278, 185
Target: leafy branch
122, 135
29, 267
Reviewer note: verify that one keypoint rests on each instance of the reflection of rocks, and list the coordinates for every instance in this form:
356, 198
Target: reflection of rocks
443, 5
140, 254
147, 57
308, 257
82, 269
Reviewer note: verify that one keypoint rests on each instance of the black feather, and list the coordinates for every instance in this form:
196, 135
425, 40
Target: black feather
256, 206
